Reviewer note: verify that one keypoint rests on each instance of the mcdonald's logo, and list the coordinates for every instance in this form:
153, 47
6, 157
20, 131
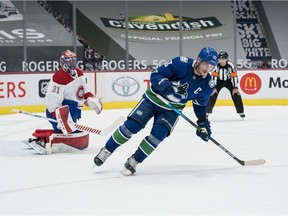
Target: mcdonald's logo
250, 83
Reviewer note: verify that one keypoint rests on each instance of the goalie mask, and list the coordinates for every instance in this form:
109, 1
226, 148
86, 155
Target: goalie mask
68, 61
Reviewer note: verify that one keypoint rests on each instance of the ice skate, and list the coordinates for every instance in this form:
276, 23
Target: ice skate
40, 146
242, 115
102, 156
30, 140
129, 167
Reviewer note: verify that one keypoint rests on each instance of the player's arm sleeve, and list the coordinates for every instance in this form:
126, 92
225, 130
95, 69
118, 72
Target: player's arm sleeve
165, 71
200, 111
87, 93
54, 96
199, 105
233, 75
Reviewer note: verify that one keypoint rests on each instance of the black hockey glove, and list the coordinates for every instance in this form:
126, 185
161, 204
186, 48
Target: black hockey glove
204, 131
165, 87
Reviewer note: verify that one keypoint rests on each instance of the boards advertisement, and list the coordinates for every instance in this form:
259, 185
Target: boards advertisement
257, 87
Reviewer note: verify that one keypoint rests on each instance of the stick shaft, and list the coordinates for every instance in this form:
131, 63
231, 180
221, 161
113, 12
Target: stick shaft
252, 162
34, 115
79, 127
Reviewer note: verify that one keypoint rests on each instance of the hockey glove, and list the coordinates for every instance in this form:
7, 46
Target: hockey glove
165, 87
204, 131
94, 103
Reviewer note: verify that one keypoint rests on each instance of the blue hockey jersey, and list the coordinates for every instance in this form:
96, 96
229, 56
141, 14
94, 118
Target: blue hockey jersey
186, 84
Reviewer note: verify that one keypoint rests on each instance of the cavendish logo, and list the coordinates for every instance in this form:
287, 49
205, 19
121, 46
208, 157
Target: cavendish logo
250, 83
164, 22
42, 86
125, 86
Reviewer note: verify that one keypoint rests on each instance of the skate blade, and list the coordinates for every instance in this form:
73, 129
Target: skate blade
126, 172
39, 149
26, 142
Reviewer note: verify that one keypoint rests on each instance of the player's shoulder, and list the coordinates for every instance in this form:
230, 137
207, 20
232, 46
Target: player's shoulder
230, 63
183, 60
79, 72
61, 77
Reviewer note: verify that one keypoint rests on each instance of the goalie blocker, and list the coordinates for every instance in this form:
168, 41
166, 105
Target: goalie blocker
47, 142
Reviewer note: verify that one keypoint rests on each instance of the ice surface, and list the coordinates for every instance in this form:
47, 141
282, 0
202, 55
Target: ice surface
183, 176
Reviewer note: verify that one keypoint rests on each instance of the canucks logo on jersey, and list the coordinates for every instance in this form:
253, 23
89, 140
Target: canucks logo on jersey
181, 89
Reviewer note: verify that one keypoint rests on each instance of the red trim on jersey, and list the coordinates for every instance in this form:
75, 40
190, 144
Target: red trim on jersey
88, 94
62, 77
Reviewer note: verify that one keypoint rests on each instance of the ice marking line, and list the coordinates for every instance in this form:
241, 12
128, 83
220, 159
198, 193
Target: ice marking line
56, 184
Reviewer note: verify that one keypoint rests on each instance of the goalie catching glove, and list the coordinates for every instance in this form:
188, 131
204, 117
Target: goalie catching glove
94, 103
204, 131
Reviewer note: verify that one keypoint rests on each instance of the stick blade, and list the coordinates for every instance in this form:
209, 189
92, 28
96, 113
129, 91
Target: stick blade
254, 162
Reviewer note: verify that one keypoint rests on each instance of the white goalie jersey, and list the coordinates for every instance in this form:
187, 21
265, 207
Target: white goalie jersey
63, 87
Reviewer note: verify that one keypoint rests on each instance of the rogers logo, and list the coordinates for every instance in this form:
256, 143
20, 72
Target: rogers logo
250, 83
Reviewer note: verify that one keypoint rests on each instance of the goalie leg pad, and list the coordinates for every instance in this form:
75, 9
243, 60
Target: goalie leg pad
76, 140
65, 122
46, 141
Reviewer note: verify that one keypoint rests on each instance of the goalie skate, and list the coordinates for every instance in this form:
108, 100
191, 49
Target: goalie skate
129, 167
39, 146
27, 142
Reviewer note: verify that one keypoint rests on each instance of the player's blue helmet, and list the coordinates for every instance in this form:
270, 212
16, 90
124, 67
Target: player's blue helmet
209, 55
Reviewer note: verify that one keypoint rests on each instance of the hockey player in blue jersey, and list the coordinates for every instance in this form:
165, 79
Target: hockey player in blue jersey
179, 80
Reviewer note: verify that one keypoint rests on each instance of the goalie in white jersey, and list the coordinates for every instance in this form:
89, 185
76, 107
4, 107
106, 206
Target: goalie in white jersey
66, 94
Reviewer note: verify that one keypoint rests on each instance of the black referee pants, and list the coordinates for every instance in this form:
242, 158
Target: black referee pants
237, 99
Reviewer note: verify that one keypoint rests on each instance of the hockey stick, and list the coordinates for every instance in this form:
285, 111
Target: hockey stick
243, 163
101, 132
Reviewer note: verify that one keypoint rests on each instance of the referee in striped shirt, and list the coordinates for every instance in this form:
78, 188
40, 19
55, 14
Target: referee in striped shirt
225, 75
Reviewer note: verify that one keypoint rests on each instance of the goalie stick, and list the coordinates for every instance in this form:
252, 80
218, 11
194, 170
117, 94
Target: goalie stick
242, 162
101, 132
